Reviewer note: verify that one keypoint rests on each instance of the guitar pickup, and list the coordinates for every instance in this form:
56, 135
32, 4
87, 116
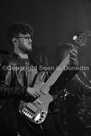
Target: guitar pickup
31, 107
37, 101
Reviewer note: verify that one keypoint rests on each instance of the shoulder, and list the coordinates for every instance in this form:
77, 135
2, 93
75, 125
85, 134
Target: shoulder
11, 60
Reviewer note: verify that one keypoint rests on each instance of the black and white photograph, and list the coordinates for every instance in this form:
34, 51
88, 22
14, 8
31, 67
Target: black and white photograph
45, 68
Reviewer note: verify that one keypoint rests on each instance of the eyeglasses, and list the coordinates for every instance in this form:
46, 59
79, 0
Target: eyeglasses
25, 37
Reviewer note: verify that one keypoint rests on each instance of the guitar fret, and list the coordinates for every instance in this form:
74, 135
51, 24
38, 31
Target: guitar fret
44, 89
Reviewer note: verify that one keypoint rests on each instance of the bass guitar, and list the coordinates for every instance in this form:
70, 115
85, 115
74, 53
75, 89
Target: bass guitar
36, 111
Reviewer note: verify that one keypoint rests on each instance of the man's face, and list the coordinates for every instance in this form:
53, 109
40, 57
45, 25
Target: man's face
24, 42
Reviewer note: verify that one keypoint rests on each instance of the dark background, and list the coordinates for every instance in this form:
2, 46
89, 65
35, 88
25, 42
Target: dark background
54, 22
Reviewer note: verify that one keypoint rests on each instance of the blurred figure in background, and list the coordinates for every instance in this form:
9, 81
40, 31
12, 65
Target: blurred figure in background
71, 100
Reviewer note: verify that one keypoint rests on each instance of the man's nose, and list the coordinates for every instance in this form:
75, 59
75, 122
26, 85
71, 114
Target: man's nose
30, 40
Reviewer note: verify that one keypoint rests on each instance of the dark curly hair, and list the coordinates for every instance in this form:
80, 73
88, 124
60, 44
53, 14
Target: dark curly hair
17, 28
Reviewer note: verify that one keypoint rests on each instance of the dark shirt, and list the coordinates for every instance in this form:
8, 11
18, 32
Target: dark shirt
16, 74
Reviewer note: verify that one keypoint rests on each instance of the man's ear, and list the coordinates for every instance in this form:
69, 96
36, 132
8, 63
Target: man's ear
15, 41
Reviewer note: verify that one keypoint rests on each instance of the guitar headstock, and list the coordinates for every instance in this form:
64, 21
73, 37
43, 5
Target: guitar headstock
82, 38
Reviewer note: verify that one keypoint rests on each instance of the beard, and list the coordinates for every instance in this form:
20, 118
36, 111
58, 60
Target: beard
25, 49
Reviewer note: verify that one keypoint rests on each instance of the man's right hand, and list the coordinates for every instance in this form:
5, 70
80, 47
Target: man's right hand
33, 92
